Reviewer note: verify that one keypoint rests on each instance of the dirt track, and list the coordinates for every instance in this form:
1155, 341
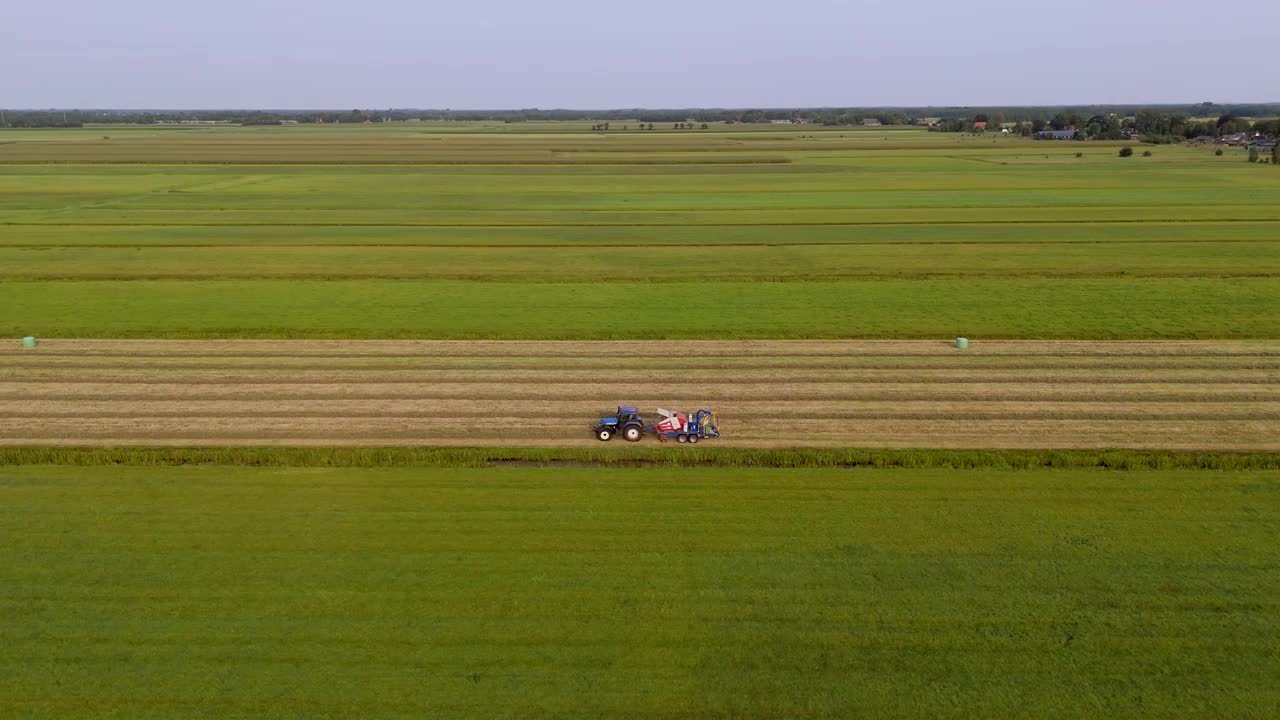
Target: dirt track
1012, 394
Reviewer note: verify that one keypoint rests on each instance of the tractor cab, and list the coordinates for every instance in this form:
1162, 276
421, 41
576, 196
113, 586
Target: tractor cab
626, 421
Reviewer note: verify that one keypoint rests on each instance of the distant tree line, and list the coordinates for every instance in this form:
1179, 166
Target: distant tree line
79, 118
955, 119
1149, 125
1158, 127
40, 119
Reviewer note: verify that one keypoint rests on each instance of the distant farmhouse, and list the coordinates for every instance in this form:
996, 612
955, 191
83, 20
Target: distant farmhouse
871, 122
1242, 138
1066, 133
980, 125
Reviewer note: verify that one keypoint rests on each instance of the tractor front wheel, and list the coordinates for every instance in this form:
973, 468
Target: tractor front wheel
632, 434
604, 435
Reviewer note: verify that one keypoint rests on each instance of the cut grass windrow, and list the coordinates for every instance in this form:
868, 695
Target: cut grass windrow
850, 394
712, 380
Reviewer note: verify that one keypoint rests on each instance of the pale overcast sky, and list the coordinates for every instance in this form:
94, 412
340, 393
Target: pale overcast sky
630, 53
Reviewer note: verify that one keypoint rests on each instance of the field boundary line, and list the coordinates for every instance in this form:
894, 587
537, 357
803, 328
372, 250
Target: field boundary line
587, 246
793, 223
301, 456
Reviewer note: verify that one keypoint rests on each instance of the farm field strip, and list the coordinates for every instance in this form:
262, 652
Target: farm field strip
683, 393
886, 176
893, 233
496, 217
744, 412
1104, 396
231, 234
713, 379
426, 148
567, 199
269, 592
737, 262
675, 350
588, 363
1113, 308
944, 433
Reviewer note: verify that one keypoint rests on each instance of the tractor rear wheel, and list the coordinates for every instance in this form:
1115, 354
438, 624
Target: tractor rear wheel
682, 438
693, 439
632, 434
604, 435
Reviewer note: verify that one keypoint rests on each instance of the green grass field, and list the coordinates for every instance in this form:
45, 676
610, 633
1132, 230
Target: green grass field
887, 308
547, 230
214, 591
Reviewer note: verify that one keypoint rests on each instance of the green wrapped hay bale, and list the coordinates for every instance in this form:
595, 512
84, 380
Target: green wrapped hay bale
962, 343
28, 342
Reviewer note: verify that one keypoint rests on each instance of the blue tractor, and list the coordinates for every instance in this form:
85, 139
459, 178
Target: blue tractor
626, 422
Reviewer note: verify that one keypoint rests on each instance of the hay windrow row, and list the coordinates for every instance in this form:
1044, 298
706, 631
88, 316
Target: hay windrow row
743, 350
608, 395
1235, 434
713, 380
417, 363
603, 401
745, 412
185, 393
743, 419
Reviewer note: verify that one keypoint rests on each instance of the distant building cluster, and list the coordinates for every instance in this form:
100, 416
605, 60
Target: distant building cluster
193, 122
1245, 139
1066, 133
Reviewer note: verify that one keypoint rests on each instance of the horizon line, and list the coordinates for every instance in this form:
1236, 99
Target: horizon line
726, 108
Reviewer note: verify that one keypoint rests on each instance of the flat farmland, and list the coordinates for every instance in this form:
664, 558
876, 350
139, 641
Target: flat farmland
309, 424
434, 231
570, 592
924, 394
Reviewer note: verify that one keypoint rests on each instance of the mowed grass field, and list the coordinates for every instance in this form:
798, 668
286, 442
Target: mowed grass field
549, 231
578, 593
1195, 395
